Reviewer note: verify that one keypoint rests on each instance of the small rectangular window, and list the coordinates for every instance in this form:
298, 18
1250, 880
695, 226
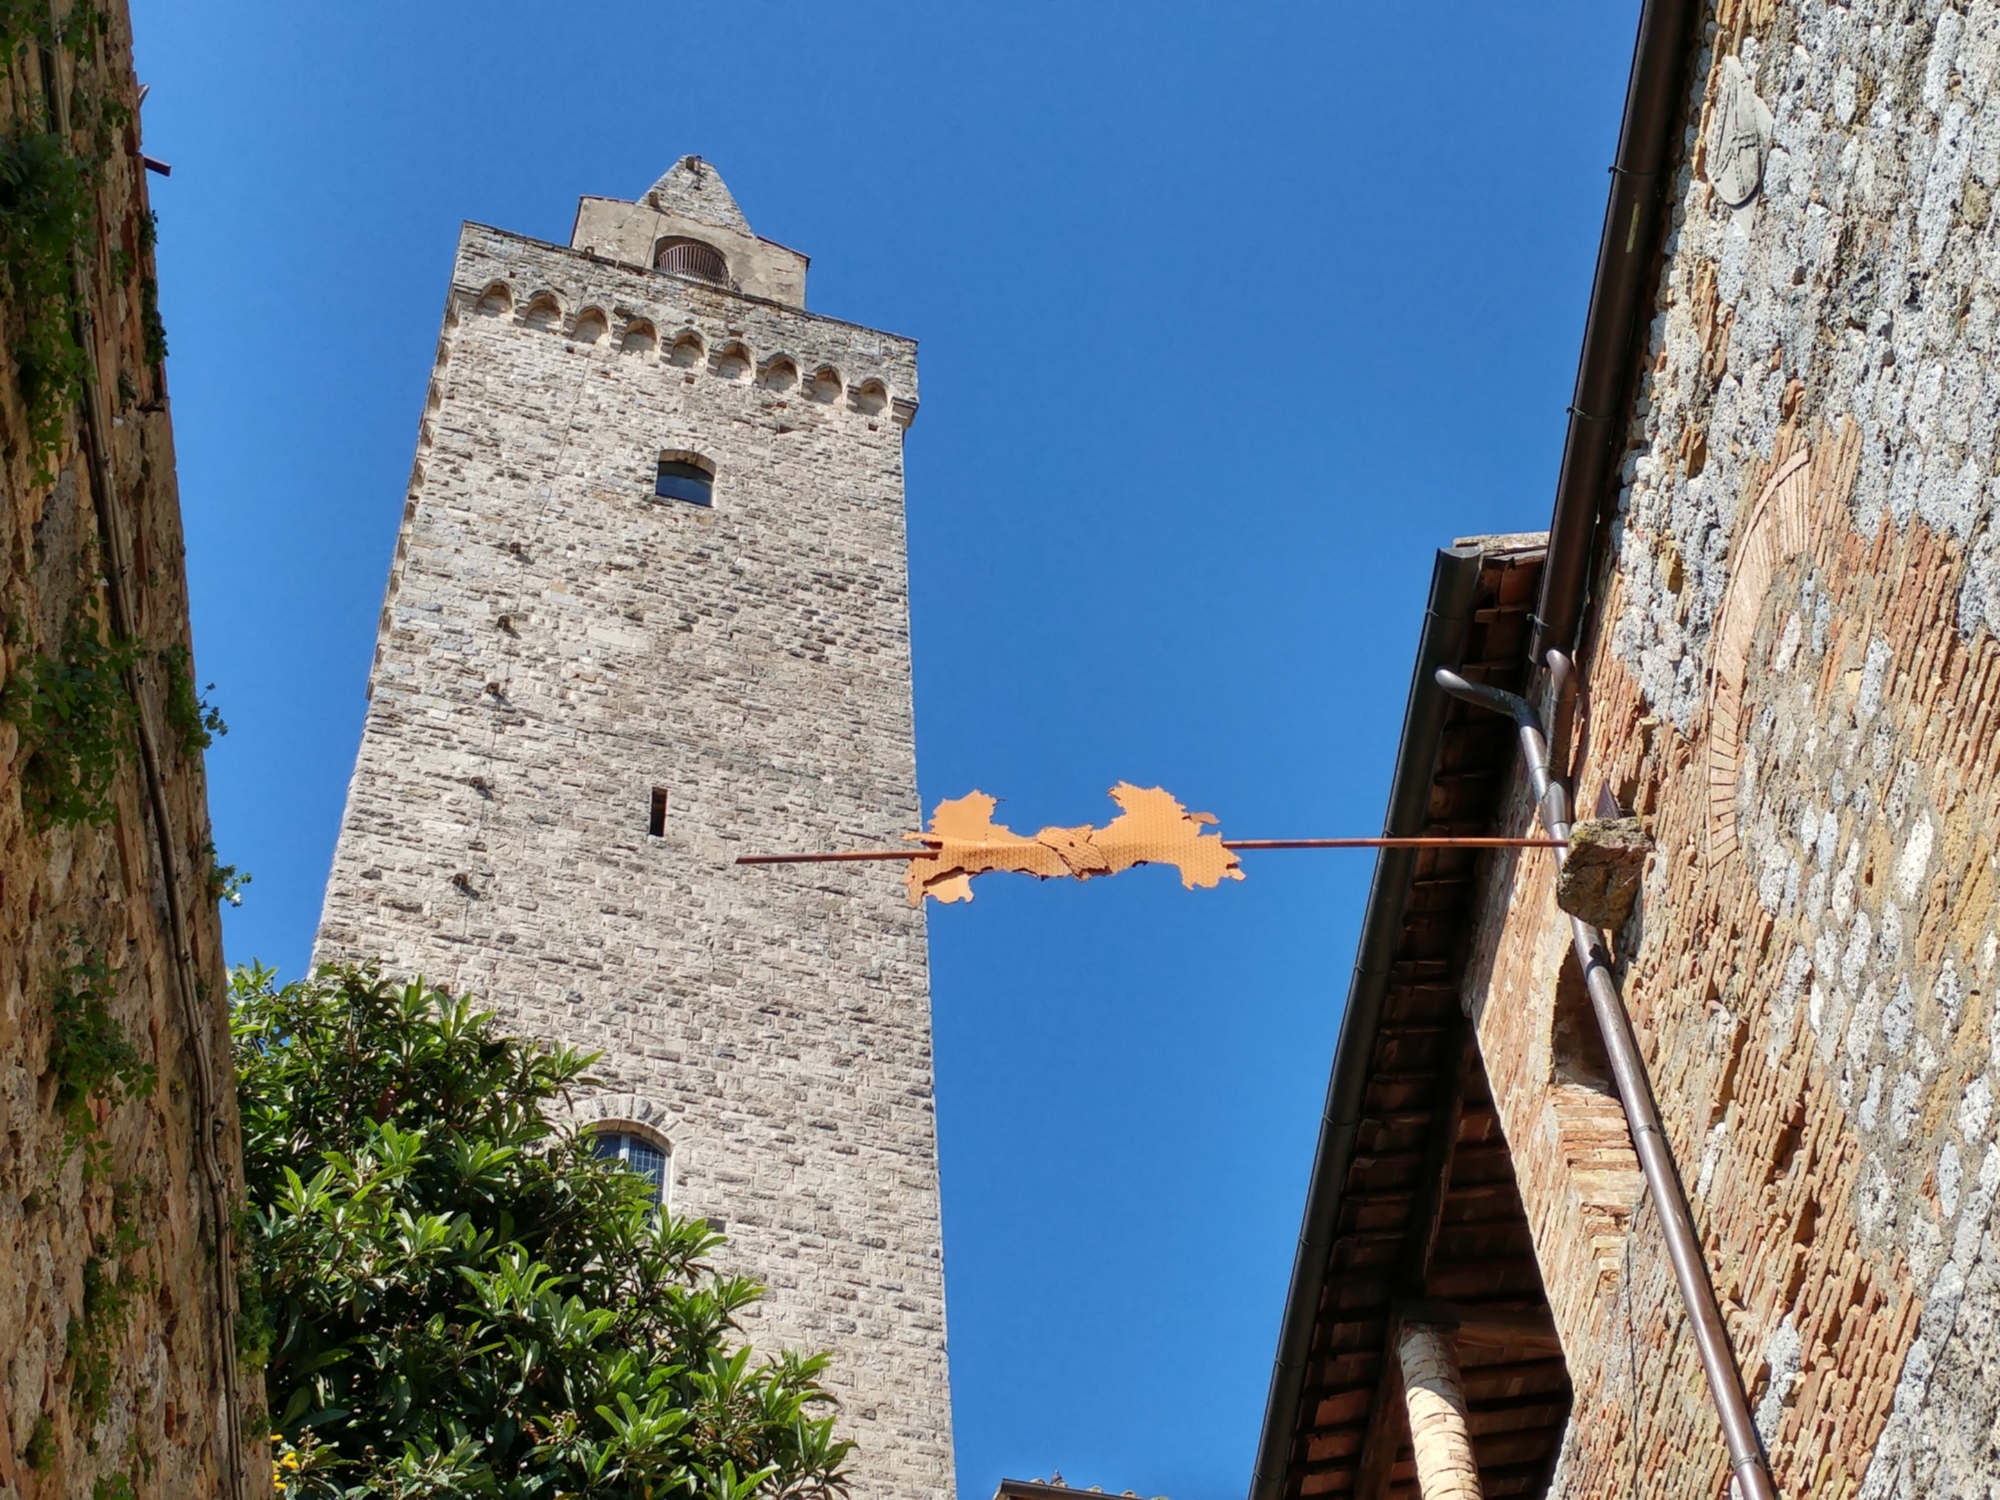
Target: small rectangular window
657, 824
678, 480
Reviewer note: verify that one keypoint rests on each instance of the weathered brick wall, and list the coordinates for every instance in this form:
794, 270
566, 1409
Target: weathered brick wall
555, 644
115, 1329
1793, 672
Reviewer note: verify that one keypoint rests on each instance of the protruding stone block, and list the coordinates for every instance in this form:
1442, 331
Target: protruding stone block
1600, 872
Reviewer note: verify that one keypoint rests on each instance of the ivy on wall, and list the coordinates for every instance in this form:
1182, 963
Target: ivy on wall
45, 213
94, 670
75, 722
95, 1067
49, 171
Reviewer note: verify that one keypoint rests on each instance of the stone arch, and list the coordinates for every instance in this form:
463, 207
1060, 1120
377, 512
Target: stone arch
778, 373
1791, 505
496, 300
682, 256
825, 386
629, 1115
631, 1111
639, 337
591, 325
687, 350
543, 311
733, 361
869, 397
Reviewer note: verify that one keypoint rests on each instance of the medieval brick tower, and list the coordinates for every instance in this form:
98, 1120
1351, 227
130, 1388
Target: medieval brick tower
648, 611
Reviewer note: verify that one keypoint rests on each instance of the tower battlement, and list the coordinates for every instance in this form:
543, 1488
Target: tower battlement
649, 609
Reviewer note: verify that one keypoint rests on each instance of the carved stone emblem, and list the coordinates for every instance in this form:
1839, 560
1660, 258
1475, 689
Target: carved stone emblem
1739, 137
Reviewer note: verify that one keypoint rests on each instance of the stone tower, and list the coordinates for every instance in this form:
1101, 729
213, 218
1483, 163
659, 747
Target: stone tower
649, 611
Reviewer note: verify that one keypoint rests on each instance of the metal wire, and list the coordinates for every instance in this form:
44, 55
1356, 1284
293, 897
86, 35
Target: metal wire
1440, 841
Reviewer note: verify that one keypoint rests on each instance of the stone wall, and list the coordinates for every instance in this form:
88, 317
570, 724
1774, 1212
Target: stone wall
119, 1166
1792, 671
557, 645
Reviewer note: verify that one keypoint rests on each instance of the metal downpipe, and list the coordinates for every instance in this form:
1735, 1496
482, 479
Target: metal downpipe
1635, 1090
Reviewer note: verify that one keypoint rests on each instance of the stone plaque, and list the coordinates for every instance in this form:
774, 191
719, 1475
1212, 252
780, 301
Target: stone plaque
1739, 136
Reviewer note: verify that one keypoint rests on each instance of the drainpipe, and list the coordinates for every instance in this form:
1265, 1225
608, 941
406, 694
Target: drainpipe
1642, 1113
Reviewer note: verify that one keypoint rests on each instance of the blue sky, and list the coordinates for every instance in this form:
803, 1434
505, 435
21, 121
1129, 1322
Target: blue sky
1229, 316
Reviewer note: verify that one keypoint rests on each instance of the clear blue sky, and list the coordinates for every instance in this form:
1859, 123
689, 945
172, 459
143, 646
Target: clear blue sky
1229, 316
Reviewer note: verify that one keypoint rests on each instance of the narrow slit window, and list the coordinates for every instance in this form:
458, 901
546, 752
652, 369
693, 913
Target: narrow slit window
680, 480
656, 823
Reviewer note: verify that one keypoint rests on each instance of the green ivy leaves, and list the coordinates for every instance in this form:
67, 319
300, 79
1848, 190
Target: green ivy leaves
46, 212
75, 720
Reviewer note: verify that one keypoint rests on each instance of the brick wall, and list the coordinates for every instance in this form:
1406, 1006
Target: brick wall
555, 644
1792, 671
115, 1325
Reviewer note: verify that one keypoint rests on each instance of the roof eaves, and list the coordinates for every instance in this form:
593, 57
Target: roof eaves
1447, 620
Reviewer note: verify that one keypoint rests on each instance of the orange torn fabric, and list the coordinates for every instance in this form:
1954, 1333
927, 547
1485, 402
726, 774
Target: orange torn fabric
1151, 829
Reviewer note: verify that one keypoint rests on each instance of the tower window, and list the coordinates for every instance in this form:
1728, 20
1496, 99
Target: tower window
639, 1154
691, 258
681, 479
656, 825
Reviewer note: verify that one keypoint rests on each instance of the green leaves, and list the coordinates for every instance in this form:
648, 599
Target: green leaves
91, 1058
461, 1299
46, 214
193, 721
75, 721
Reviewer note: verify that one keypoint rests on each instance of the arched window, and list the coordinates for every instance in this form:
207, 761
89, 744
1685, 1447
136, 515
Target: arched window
640, 1153
691, 258
685, 476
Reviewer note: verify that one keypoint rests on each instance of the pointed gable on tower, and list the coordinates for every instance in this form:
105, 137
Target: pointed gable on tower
688, 224
692, 189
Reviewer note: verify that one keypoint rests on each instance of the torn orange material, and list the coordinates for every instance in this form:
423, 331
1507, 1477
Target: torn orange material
1151, 829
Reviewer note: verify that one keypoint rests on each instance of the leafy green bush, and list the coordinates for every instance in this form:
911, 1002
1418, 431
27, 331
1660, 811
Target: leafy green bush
48, 219
75, 719
193, 720
110, 1288
45, 213
457, 1298
90, 1056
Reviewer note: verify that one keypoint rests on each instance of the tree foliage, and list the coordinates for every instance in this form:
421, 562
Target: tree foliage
455, 1298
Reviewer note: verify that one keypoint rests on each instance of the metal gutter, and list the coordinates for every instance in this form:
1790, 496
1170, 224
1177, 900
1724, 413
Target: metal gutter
1613, 330
1447, 619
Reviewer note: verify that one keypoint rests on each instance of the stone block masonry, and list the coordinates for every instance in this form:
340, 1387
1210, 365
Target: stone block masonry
1793, 675
119, 1365
562, 651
